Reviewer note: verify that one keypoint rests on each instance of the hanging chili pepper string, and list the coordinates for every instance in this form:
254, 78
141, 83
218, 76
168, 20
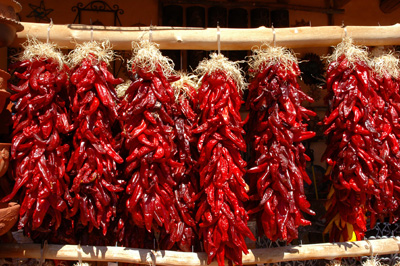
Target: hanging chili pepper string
221, 215
385, 82
350, 153
185, 119
275, 129
146, 112
93, 162
38, 151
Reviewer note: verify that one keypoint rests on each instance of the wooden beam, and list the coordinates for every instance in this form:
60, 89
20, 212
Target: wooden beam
388, 6
340, 3
256, 4
66, 36
164, 257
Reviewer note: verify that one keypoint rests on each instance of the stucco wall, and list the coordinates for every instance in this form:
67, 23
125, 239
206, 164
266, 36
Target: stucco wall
135, 11
357, 12
366, 13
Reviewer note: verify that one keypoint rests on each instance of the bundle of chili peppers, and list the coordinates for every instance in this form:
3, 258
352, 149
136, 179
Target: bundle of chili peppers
276, 130
185, 119
351, 154
128, 233
385, 82
38, 150
149, 131
223, 220
93, 163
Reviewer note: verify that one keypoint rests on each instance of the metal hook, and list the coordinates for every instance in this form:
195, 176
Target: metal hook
273, 35
79, 250
371, 248
218, 38
48, 29
151, 32
41, 254
43, 247
151, 257
91, 30
345, 29
181, 59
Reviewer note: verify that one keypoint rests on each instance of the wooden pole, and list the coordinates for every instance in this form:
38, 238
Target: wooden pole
256, 256
172, 38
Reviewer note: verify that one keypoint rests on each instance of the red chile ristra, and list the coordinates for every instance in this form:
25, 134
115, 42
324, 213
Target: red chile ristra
38, 151
386, 99
93, 162
184, 230
352, 158
276, 129
152, 165
223, 220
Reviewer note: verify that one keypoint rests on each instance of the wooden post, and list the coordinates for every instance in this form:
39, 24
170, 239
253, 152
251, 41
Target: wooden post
163, 257
66, 36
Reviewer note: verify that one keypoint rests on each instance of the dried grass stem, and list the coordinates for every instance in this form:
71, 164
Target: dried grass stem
219, 62
267, 55
353, 53
184, 86
102, 51
148, 57
387, 64
36, 50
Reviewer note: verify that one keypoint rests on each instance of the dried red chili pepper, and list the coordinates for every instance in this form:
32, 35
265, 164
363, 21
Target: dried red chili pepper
385, 82
351, 154
152, 165
221, 215
93, 163
183, 232
38, 151
276, 128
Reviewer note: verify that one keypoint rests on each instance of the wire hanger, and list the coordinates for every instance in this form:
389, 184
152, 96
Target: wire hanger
218, 38
273, 35
151, 32
371, 248
48, 30
345, 29
79, 250
91, 30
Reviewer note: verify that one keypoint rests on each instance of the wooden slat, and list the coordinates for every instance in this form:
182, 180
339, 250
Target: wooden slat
256, 256
340, 3
206, 39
